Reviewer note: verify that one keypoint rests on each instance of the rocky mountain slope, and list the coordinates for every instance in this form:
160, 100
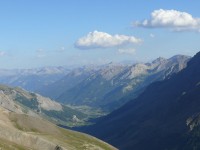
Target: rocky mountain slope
100, 89
19, 131
165, 116
110, 86
72, 78
21, 101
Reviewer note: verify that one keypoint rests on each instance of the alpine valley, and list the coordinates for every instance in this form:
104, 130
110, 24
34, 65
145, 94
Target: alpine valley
131, 92
101, 88
165, 116
99, 75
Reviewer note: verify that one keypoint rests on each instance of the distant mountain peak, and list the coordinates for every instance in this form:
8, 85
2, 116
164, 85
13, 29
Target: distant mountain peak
159, 60
179, 57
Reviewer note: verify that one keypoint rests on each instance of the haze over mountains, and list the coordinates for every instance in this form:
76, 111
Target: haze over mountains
92, 91
32, 79
104, 87
99, 75
111, 85
164, 116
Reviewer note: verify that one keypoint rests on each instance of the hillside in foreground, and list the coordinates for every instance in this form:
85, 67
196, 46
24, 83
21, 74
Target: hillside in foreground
23, 132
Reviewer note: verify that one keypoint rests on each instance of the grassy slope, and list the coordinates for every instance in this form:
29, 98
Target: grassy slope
6, 145
65, 138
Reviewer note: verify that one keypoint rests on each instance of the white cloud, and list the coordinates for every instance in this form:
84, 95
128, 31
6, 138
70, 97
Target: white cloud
173, 19
98, 39
128, 51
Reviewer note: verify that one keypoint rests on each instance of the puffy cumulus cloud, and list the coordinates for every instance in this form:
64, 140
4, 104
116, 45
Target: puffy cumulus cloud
173, 19
98, 39
127, 51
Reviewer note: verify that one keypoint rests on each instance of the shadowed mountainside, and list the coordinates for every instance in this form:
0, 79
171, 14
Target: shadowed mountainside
165, 116
110, 86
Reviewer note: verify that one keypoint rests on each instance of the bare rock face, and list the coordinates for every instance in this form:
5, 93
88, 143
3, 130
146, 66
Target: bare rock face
111, 70
111, 85
48, 104
8, 103
21, 101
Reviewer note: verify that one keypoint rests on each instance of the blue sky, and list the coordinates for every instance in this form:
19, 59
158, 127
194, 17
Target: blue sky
36, 33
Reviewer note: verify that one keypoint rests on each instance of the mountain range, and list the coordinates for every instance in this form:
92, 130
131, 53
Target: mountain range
32, 79
153, 106
166, 116
110, 86
100, 89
